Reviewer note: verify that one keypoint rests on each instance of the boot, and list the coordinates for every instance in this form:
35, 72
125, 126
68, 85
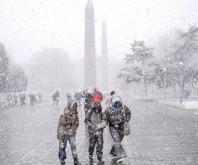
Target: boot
91, 162
91, 159
120, 160
76, 162
101, 161
62, 161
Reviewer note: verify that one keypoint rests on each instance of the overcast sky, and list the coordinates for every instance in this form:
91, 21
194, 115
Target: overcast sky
27, 26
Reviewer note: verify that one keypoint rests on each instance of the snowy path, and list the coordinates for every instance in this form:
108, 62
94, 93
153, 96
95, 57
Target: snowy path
160, 135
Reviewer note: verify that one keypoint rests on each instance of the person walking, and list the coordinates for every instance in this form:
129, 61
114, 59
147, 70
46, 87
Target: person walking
15, 99
66, 131
69, 96
9, 100
96, 122
56, 98
22, 99
117, 114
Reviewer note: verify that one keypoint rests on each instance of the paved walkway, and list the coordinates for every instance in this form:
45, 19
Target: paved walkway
161, 135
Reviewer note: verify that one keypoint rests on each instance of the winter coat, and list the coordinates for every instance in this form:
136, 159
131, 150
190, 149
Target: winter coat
117, 118
68, 121
88, 101
96, 120
97, 97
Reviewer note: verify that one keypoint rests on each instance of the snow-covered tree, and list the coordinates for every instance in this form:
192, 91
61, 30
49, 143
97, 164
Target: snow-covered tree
12, 76
16, 79
4, 62
178, 63
186, 53
139, 66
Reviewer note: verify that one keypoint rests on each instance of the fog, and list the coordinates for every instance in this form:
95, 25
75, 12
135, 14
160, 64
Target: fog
147, 53
28, 27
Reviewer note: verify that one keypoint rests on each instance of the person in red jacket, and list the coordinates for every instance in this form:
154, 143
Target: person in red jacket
97, 96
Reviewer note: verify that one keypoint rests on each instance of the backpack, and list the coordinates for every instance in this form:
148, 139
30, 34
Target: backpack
97, 97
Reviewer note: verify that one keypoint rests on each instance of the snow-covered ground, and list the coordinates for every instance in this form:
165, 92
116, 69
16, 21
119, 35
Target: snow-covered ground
159, 135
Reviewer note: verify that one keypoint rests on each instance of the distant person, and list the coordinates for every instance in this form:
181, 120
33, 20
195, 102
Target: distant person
110, 97
15, 99
97, 96
112, 93
88, 100
32, 98
22, 98
66, 131
56, 98
69, 96
9, 100
117, 114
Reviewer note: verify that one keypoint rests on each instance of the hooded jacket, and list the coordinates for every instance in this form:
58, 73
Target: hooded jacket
116, 117
68, 121
95, 119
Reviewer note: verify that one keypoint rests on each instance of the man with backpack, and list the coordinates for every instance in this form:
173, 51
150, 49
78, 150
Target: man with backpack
97, 96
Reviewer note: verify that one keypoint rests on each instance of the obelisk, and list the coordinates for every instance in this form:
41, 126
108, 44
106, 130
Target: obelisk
104, 57
89, 50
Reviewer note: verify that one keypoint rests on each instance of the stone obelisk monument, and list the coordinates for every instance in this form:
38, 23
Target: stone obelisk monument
104, 57
89, 50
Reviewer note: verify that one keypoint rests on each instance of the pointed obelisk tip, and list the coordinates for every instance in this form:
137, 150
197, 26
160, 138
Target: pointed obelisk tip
89, 4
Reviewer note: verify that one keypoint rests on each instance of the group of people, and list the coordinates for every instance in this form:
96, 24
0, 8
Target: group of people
115, 116
56, 97
13, 99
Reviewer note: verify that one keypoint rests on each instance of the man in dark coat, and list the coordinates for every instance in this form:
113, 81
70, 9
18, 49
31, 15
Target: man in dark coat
96, 122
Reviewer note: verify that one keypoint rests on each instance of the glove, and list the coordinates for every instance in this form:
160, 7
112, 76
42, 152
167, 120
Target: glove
101, 125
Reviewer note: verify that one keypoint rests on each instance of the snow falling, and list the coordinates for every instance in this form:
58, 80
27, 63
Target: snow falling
99, 82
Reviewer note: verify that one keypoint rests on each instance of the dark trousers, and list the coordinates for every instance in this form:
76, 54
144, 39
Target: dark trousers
96, 139
117, 136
